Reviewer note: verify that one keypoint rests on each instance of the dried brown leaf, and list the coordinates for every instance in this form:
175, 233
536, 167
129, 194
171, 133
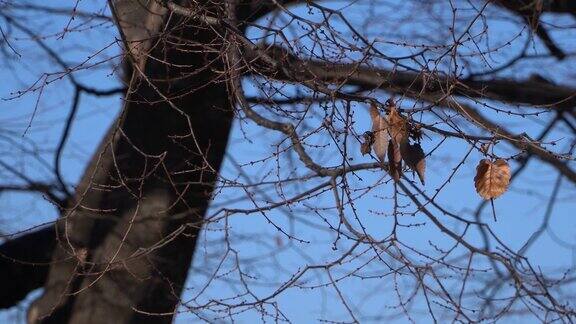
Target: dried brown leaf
398, 125
413, 155
398, 136
380, 133
366, 146
395, 161
492, 178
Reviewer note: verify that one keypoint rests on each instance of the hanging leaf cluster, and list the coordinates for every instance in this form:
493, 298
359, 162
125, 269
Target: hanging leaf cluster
391, 137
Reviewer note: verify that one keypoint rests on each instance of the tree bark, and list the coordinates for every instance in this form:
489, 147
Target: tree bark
129, 236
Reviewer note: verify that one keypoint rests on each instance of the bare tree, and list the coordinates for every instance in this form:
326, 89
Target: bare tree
366, 120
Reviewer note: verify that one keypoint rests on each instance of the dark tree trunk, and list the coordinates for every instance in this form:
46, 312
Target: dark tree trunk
120, 252
117, 257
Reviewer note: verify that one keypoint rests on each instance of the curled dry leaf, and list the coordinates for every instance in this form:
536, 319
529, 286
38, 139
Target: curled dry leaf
398, 130
366, 146
395, 162
380, 133
413, 155
398, 125
492, 178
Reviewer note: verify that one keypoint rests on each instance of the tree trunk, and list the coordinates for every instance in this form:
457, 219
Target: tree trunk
126, 243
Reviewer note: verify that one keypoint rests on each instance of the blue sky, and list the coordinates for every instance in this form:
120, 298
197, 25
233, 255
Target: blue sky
266, 254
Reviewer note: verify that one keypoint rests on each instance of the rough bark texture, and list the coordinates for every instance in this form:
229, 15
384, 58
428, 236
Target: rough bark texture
152, 178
